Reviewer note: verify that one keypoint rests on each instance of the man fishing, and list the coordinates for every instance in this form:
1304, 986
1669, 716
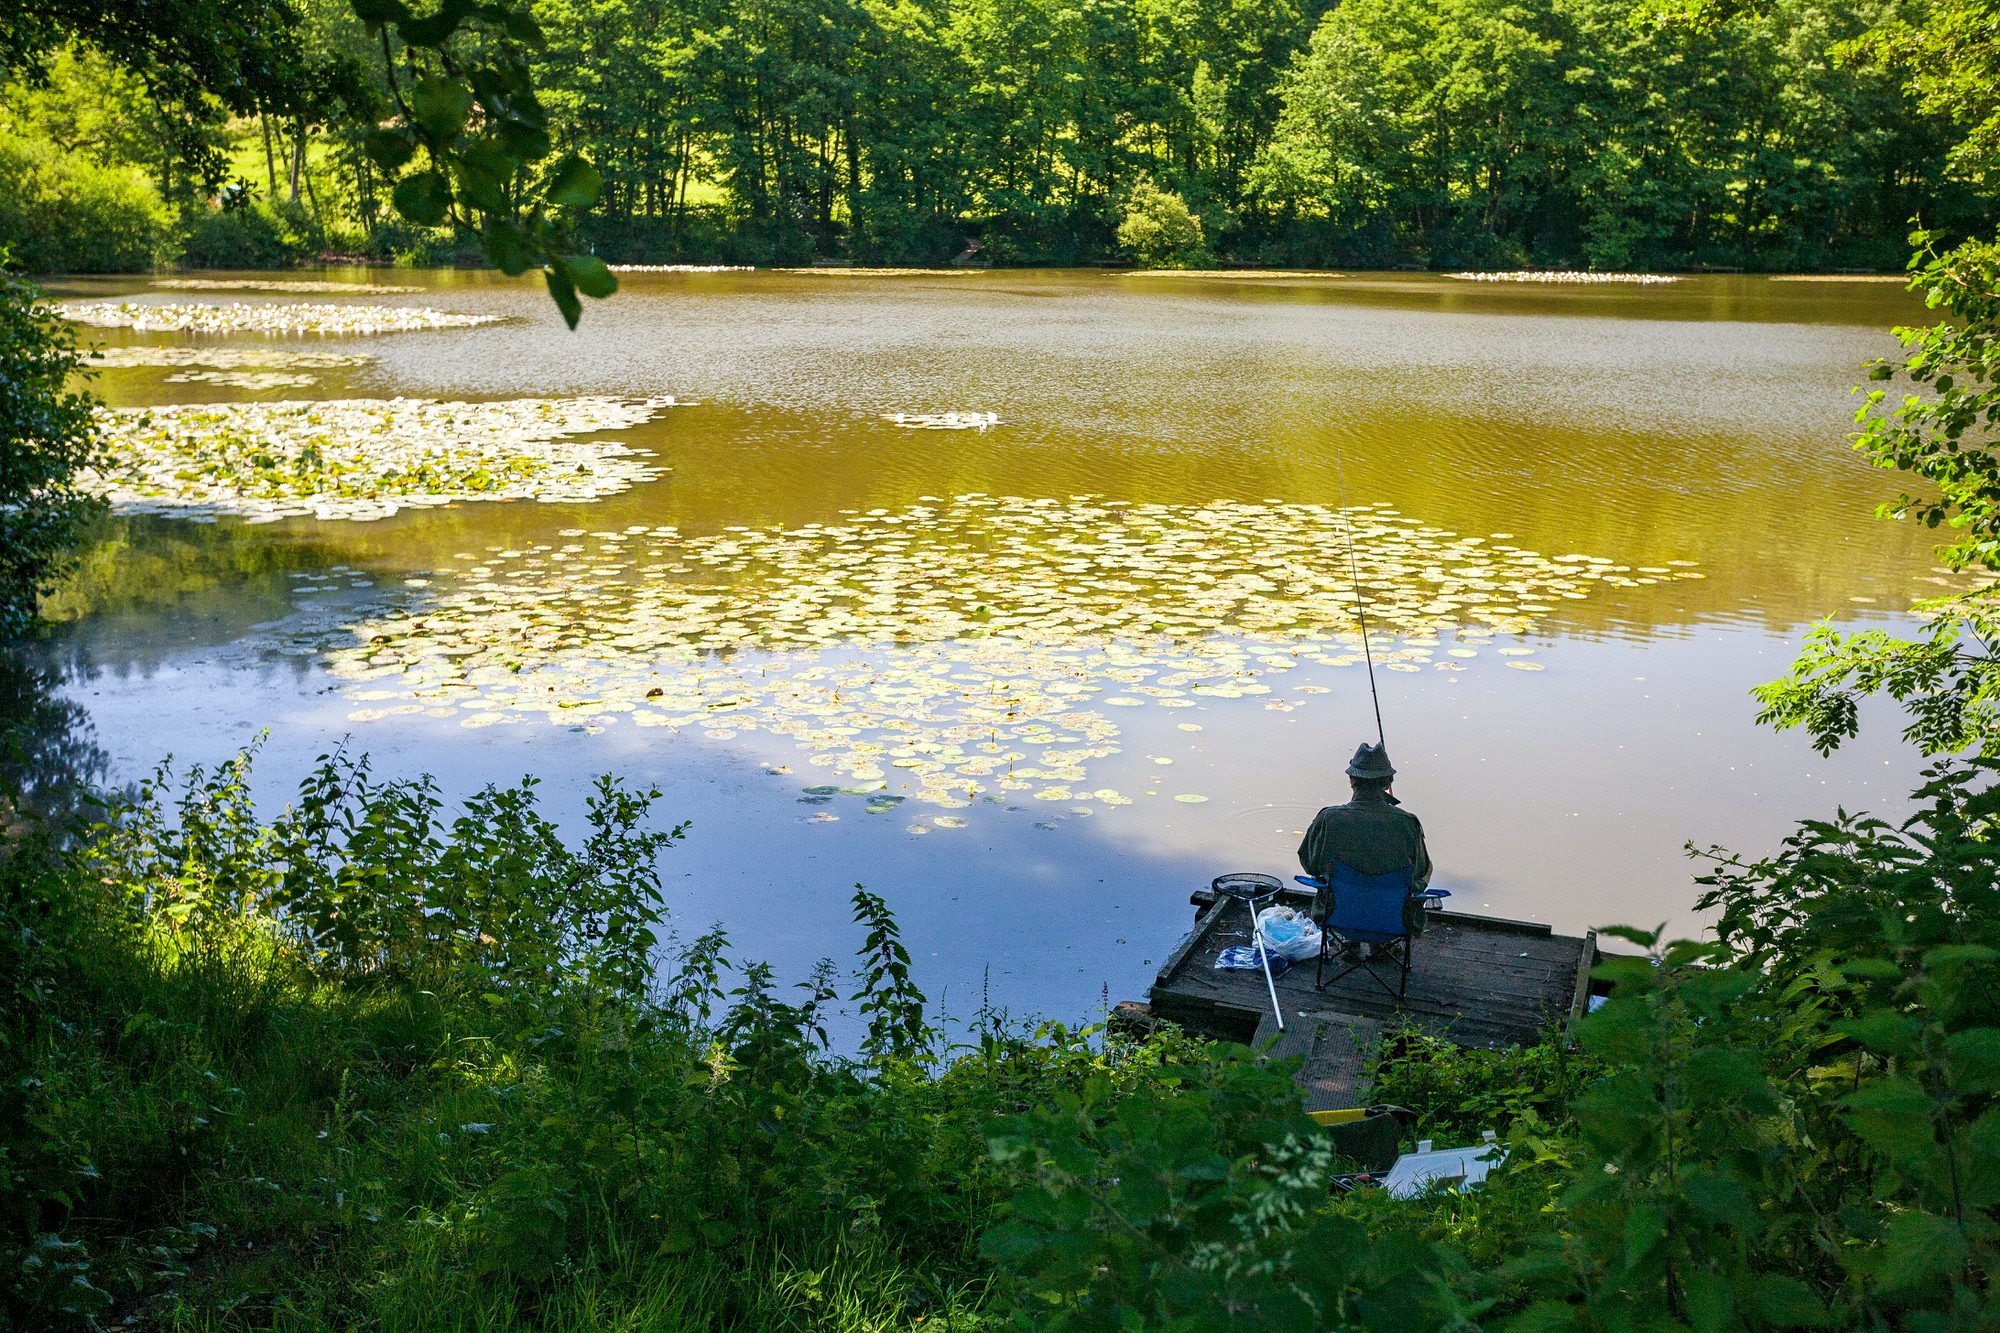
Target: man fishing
1371, 834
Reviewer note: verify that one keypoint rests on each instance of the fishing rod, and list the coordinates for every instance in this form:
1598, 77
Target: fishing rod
1360, 598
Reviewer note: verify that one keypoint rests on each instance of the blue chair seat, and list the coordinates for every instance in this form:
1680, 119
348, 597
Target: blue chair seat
1368, 914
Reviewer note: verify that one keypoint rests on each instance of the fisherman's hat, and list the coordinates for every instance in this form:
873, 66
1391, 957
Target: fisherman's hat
1371, 761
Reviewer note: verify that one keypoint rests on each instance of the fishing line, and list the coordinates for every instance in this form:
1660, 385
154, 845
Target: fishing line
1360, 598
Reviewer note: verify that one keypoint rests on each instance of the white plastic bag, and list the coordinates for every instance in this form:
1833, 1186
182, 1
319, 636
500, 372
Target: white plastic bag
1288, 933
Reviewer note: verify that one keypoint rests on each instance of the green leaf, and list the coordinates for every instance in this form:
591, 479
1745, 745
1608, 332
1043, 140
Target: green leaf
1718, 1074
1975, 1059
423, 198
1721, 1199
441, 106
1709, 1302
564, 292
1882, 1031
525, 142
377, 12
508, 247
1786, 1302
1947, 955
521, 26
432, 31
1645, 1230
1892, 1115
593, 277
574, 184
389, 149
1919, 1250
1014, 1245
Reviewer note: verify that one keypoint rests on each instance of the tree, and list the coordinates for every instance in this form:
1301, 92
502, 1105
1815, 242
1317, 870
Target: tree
1947, 436
46, 435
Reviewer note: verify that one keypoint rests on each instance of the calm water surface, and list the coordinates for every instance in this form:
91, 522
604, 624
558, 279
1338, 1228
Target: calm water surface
1159, 437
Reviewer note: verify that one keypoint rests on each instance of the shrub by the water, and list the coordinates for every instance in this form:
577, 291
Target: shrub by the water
252, 236
63, 213
367, 1064
1160, 231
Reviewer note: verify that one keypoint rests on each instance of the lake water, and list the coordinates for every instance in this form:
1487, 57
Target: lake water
1036, 682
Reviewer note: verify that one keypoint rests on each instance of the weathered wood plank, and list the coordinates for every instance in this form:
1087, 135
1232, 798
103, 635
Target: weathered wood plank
1476, 980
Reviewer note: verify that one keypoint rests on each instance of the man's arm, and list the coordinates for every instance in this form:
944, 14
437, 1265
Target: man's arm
1312, 849
1421, 878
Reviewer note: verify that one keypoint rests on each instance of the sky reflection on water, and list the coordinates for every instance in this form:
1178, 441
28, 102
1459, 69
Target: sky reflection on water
1703, 421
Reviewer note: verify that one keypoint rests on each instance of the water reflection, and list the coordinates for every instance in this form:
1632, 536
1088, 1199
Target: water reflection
1699, 422
49, 754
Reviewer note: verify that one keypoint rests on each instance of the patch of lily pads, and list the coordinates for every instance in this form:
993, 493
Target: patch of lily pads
1567, 276
964, 649
258, 380
944, 420
222, 358
364, 458
271, 319
295, 286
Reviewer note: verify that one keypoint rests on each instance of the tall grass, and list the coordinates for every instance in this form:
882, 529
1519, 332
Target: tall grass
365, 1066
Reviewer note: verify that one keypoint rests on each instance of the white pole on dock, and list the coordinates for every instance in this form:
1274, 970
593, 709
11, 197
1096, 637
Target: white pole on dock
1257, 929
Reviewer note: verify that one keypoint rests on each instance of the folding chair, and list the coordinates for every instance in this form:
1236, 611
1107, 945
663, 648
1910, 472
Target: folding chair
1368, 911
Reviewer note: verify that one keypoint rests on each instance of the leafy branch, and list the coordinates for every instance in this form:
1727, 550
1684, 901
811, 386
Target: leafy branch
467, 140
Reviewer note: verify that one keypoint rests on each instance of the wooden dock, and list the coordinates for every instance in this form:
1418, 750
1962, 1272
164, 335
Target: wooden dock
1475, 980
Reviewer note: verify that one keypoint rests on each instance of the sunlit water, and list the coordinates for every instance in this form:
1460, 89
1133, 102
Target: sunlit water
1037, 680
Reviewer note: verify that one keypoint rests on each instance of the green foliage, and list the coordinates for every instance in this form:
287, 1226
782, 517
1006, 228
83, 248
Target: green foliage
46, 434
1458, 1092
1156, 1207
1946, 436
61, 213
364, 878
1160, 230
1445, 131
361, 1064
468, 142
1468, 131
255, 236
889, 1000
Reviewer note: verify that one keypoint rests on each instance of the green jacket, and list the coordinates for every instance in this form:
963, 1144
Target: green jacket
1370, 834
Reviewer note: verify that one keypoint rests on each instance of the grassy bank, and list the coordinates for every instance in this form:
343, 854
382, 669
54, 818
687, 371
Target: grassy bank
373, 1064
358, 1066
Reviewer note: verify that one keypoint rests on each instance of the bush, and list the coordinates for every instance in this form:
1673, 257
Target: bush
255, 236
1160, 230
47, 433
364, 1065
61, 213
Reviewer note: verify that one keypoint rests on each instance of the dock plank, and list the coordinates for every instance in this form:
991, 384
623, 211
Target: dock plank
1478, 981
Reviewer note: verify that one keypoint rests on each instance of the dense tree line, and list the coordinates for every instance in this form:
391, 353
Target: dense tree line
1373, 132
1377, 132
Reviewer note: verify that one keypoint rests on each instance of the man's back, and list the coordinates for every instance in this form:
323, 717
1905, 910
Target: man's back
1371, 834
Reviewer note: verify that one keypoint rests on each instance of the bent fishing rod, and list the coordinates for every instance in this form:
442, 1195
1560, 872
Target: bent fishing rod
1360, 598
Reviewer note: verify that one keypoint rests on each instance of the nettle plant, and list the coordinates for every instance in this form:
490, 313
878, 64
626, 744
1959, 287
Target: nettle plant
370, 877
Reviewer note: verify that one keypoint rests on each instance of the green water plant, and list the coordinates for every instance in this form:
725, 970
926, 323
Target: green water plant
362, 459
